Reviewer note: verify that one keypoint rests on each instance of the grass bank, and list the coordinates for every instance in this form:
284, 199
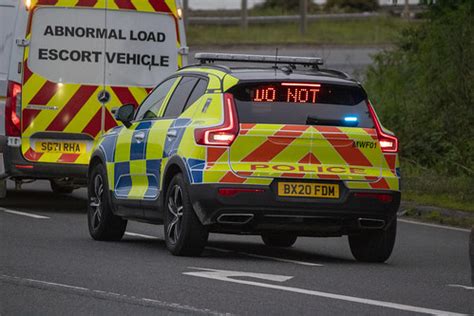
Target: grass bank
370, 31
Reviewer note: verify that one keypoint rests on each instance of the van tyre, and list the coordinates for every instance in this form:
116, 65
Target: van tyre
103, 224
59, 188
279, 240
374, 245
184, 233
3, 188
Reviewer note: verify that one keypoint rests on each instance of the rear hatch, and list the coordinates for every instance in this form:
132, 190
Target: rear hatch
305, 130
84, 60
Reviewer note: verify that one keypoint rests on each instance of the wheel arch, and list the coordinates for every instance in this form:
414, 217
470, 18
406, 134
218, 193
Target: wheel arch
174, 166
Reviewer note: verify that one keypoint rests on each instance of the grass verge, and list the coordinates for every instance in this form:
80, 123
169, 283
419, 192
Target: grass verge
370, 31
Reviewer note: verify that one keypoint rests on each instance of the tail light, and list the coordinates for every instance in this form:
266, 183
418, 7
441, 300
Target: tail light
388, 143
13, 109
223, 134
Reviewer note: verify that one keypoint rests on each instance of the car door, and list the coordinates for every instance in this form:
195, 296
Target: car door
166, 134
132, 173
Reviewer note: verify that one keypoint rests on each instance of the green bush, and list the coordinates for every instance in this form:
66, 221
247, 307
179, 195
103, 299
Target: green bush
424, 89
352, 5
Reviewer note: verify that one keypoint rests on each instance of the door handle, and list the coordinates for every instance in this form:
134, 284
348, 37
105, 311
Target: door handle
172, 133
139, 136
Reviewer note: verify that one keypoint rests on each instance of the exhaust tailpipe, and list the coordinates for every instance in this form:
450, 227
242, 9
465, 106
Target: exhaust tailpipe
235, 219
371, 223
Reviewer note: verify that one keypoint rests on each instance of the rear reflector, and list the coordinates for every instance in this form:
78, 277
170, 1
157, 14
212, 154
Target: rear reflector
388, 143
235, 191
382, 197
13, 109
24, 166
223, 134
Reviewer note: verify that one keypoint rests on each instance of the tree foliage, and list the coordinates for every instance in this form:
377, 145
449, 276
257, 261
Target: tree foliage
424, 89
352, 5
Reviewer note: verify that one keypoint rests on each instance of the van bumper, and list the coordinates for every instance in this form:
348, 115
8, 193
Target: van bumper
16, 166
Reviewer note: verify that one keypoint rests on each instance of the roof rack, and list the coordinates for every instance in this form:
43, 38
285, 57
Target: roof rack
260, 59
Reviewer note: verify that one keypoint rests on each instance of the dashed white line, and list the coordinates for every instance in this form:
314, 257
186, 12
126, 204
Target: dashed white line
303, 263
23, 213
470, 288
434, 225
105, 295
140, 235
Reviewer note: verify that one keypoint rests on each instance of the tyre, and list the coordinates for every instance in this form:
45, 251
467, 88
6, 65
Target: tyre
60, 188
279, 240
103, 224
3, 188
374, 245
184, 233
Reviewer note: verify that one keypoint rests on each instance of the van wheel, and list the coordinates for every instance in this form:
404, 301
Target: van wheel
60, 188
374, 245
279, 240
184, 233
3, 189
103, 224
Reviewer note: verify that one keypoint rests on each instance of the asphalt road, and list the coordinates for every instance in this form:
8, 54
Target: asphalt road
50, 266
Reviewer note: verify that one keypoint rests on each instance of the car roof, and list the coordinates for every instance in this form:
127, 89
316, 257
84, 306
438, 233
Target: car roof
249, 73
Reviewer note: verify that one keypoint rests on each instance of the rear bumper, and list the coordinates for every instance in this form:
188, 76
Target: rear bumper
18, 167
265, 211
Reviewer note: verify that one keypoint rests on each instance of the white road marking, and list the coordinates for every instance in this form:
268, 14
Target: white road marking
462, 286
140, 235
225, 275
239, 252
304, 263
435, 225
105, 295
23, 213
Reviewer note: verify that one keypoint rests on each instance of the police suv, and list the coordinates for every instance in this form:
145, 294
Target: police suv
280, 149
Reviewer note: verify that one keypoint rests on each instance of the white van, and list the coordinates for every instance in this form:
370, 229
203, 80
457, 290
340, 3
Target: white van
65, 67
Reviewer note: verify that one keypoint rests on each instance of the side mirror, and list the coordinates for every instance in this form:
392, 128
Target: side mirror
125, 114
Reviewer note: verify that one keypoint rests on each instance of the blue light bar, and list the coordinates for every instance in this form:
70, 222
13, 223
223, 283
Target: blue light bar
350, 119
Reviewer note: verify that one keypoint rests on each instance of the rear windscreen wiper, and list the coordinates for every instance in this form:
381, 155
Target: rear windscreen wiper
314, 120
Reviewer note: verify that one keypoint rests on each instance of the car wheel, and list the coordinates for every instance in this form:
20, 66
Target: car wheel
59, 188
184, 233
279, 240
374, 245
103, 224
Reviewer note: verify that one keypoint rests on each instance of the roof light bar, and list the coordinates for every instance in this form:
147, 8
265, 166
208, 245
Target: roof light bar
261, 59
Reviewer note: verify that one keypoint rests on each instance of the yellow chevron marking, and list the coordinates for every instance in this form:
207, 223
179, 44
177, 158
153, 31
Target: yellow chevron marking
143, 5
84, 115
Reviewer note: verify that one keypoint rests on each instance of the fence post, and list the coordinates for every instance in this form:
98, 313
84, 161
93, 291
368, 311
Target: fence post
244, 14
185, 13
303, 14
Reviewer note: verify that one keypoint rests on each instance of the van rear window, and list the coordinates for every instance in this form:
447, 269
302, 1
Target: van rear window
302, 104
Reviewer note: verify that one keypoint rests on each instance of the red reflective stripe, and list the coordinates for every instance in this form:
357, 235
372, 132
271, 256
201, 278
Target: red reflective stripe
71, 108
230, 177
391, 161
30, 154
292, 130
159, 5
26, 72
125, 4
125, 96
28, 117
309, 158
267, 151
94, 125
292, 175
86, 3
148, 90
352, 155
45, 93
109, 121
68, 158
245, 128
47, 2
213, 154
381, 184
328, 176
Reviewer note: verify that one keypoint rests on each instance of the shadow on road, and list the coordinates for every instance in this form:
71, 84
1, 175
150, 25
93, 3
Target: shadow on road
34, 200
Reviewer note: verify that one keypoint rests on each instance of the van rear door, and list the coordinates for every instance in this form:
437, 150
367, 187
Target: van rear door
83, 61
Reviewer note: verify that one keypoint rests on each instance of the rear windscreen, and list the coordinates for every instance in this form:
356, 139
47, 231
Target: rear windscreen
302, 104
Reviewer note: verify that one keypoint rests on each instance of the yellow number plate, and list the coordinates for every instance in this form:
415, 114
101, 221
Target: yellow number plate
311, 190
63, 147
